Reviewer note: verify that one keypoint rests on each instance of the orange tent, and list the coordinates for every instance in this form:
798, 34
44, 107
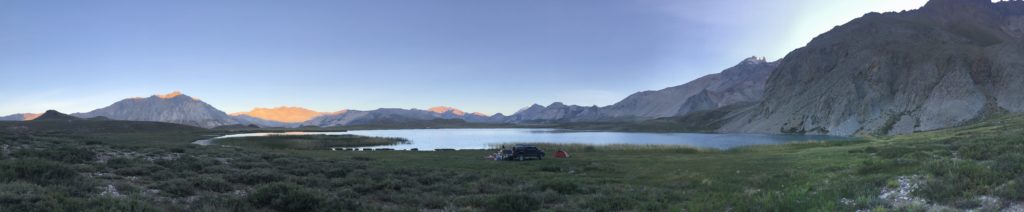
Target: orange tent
561, 154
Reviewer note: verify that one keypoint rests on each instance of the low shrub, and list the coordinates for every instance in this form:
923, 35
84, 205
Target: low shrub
187, 163
255, 176
610, 203
1010, 165
138, 170
954, 180
286, 197
1014, 190
549, 168
513, 203
37, 171
119, 204
66, 154
560, 186
894, 152
872, 166
337, 172
188, 187
432, 202
117, 163
177, 187
211, 183
21, 196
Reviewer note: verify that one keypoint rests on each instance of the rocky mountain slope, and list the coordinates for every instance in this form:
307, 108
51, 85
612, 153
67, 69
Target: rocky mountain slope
555, 113
394, 115
948, 63
172, 108
742, 83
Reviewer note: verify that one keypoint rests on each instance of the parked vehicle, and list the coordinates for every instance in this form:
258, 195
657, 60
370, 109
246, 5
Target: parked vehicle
522, 152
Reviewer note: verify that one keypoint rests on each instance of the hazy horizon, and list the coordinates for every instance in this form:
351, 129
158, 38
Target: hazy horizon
478, 56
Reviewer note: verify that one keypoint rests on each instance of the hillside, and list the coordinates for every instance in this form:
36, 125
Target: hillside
53, 115
395, 116
946, 64
171, 108
742, 83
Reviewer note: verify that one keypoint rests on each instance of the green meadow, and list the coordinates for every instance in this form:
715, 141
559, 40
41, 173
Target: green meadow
128, 166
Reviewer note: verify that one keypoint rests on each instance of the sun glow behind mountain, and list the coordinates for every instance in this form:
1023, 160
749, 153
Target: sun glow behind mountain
445, 109
169, 95
30, 116
282, 114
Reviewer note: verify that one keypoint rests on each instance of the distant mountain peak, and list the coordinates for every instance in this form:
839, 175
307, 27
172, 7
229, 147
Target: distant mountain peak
557, 104
479, 114
174, 107
956, 3
54, 115
170, 95
535, 106
754, 60
445, 109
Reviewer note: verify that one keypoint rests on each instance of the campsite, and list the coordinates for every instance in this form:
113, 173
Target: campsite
511, 106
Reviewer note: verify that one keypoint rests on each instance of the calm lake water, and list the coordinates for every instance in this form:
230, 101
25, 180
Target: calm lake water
429, 139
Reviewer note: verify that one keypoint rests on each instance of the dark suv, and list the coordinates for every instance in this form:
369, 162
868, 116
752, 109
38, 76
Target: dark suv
521, 152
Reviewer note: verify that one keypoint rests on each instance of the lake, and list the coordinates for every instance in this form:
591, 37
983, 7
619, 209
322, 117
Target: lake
430, 139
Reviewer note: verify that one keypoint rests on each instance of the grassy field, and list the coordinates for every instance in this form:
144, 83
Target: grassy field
54, 168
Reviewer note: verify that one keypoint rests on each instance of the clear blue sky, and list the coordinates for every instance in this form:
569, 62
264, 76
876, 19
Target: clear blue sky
478, 55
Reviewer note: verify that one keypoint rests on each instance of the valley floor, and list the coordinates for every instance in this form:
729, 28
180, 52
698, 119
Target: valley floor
63, 167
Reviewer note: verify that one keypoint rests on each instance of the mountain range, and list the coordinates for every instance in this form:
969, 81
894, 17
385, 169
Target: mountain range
394, 115
742, 83
179, 108
943, 65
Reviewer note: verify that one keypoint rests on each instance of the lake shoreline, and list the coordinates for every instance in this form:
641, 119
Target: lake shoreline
485, 138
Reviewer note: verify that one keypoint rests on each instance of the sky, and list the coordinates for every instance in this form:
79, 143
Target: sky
477, 55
